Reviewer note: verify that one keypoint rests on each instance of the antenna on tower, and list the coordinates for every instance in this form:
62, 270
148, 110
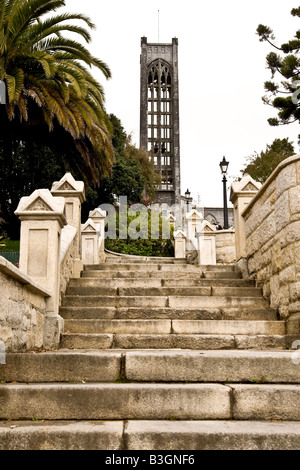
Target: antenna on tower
158, 24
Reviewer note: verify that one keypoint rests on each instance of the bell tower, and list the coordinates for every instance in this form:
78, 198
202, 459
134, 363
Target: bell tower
159, 115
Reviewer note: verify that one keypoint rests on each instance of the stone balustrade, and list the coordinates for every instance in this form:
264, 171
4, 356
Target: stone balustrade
54, 247
22, 309
50, 254
272, 240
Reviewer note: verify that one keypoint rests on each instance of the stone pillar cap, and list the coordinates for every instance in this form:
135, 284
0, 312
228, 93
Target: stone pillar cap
89, 227
67, 186
206, 228
192, 213
98, 213
41, 204
246, 186
179, 234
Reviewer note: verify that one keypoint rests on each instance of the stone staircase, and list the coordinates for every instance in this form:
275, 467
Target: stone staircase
157, 355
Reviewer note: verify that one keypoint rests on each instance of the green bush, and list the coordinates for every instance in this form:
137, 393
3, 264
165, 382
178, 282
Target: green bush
9, 245
142, 234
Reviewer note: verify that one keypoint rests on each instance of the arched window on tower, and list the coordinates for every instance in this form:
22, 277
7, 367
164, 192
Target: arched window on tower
160, 120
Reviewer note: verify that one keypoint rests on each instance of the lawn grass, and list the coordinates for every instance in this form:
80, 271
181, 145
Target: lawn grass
10, 245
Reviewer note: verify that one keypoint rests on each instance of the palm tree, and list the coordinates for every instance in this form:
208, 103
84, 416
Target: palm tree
45, 70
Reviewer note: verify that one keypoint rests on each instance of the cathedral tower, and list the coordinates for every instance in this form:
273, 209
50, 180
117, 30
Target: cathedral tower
159, 119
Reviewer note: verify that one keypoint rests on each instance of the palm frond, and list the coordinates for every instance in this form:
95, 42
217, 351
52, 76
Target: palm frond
14, 82
46, 70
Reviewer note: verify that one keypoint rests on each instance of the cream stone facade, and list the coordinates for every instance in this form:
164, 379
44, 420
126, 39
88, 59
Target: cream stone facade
242, 192
50, 254
272, 231
22, 309
180, 244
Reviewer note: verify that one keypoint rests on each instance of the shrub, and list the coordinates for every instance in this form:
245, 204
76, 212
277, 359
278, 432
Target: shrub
144, 233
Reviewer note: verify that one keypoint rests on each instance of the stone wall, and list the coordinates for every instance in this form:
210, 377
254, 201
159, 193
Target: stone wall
272, 230
49, 256
68, 256
225, 247
22, 310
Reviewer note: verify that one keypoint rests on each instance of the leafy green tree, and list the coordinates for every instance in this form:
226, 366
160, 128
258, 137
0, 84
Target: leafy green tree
31, 165
260, 166
285, 63
151, 178
132, 175
47, 77
148, 234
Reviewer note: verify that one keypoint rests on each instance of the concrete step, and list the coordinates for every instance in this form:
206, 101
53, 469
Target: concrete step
165, 291
62, 366
61, 435
159, 274
158, 282
146, 313
114, 401
153, 435
172, 341
227, 366
159, 267
175, 301
171, 366
143, 260
223, 327
212, 435
127, 401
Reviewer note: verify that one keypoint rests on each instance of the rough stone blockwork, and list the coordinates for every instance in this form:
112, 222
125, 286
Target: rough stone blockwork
225, 247
22, 311
272, 227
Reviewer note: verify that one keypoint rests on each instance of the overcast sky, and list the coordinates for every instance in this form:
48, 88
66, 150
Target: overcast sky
222, 70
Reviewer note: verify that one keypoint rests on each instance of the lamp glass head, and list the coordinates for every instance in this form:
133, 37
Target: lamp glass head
224, 165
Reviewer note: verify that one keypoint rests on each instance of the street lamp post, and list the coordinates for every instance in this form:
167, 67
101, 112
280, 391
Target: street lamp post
188, 199
224, 166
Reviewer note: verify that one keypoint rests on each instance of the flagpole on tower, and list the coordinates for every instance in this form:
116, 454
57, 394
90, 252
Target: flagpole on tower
158, 24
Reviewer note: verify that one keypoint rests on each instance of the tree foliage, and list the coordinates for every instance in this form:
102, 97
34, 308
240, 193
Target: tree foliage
133, 174
260, 166
48, 79
284, 63
148, 234
32, 158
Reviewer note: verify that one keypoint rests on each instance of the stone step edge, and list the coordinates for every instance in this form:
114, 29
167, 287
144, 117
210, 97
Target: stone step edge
174, 335
150, 435
152, 401
176, 341
160, 268
204, 267
222, 310
161, 282
164, 291
173, 326
170, 365
140, 275
168, 300
229, 313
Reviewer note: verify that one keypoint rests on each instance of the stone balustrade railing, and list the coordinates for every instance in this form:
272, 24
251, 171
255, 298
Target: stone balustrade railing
50, 254
22, 310
55, 246
213, 246
268, 238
